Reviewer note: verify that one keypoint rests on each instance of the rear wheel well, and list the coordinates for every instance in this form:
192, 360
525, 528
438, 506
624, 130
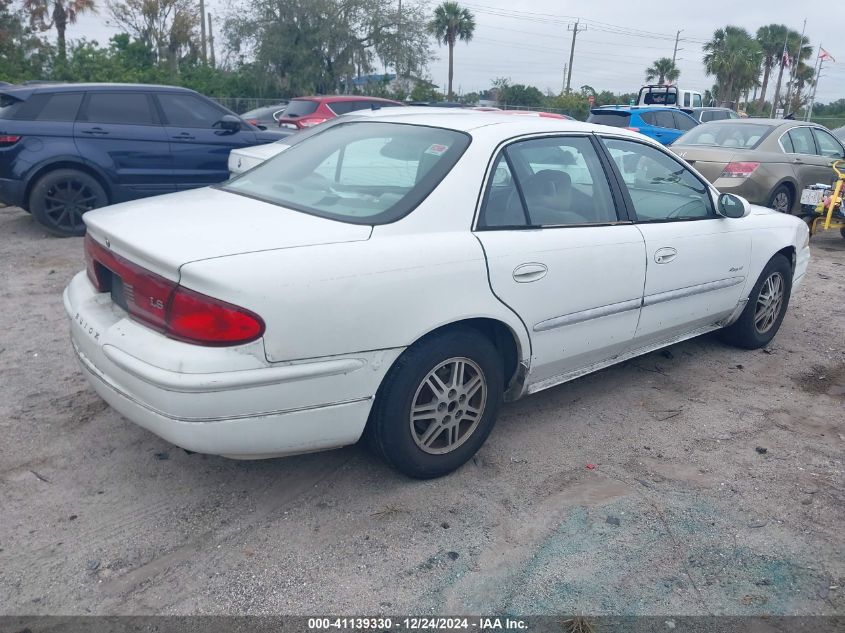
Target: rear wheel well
502, 337
64, 165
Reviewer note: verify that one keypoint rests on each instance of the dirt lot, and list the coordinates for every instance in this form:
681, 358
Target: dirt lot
682, 514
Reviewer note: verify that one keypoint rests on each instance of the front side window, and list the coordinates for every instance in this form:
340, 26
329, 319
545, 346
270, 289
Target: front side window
359, 172
802, 140
661, 188
828, 146
186, 110
125, 108
548, 182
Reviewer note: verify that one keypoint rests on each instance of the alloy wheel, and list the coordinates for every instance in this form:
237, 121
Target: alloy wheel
769, 302
66, 201
781, 202
448, 406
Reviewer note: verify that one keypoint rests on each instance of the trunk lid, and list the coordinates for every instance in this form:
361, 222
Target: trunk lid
163, 233
709, 161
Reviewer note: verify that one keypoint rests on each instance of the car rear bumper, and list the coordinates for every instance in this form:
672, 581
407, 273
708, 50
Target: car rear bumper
11, 192
748, 188
222, 401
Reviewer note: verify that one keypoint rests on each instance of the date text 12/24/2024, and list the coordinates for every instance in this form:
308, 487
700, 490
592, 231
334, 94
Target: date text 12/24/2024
480, 624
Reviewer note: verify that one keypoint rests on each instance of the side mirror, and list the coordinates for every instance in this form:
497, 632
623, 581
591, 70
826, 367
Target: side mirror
732, 206
229, 123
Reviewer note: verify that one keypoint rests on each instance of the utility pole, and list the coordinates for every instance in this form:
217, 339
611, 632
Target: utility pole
211, 42
675, 52
563, 85
398, 42
574, 29
794, 70
202, 32
819, 61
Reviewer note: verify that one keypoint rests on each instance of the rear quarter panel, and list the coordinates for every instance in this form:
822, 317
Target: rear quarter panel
383, 293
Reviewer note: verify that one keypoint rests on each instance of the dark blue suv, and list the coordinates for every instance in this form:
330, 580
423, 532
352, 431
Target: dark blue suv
69, 148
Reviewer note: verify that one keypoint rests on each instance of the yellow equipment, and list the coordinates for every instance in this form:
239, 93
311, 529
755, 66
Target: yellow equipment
834, 215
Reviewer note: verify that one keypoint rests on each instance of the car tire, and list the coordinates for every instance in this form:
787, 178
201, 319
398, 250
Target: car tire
781, 199
766, 307
59, 199
442, 434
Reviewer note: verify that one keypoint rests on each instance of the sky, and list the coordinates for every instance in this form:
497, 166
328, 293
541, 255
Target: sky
529, 42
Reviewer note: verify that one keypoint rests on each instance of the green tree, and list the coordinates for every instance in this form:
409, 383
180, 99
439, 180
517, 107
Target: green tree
771, 39
168, 28
521, 95
663, 70
451, 23
23, 55
295, 47
46, 14
734, 57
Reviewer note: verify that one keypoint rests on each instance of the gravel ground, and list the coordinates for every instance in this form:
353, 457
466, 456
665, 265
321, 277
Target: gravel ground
683, 514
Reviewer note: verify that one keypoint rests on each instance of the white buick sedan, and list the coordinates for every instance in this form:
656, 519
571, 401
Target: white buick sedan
400, 277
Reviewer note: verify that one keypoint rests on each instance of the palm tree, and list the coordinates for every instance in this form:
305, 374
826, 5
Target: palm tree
60, 13
451, 23
734, 57
771, 39
664, 69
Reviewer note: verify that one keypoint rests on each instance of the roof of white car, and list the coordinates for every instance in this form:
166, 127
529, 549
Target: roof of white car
469, 120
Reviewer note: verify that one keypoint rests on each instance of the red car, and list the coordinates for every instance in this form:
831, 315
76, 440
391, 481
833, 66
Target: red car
304, 112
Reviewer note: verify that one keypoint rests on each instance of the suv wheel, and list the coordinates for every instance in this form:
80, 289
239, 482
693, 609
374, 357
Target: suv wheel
60, 198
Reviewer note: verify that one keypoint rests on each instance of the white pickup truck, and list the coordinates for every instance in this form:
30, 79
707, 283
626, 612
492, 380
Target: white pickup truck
669, 96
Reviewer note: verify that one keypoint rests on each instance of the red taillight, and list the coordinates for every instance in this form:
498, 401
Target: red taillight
252, 121
196, 318
8, 139
739, 170
633, 129
166, 306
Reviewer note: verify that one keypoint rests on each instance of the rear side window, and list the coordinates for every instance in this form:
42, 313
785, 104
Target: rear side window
615, 119
683, 122
126, 108
558, 182
696, 101
300, 107
61, 106
650, 118
664, 119
8, 106
186, 110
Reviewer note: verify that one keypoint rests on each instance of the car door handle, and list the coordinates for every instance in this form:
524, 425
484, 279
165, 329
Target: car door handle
797, 160
525, 273
665, 255
184, 136
95, 130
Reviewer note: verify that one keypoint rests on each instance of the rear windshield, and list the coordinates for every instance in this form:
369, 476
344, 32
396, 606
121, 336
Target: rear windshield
659, 97
358, 172
726, 134
616, 119
8, 105
300, 107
